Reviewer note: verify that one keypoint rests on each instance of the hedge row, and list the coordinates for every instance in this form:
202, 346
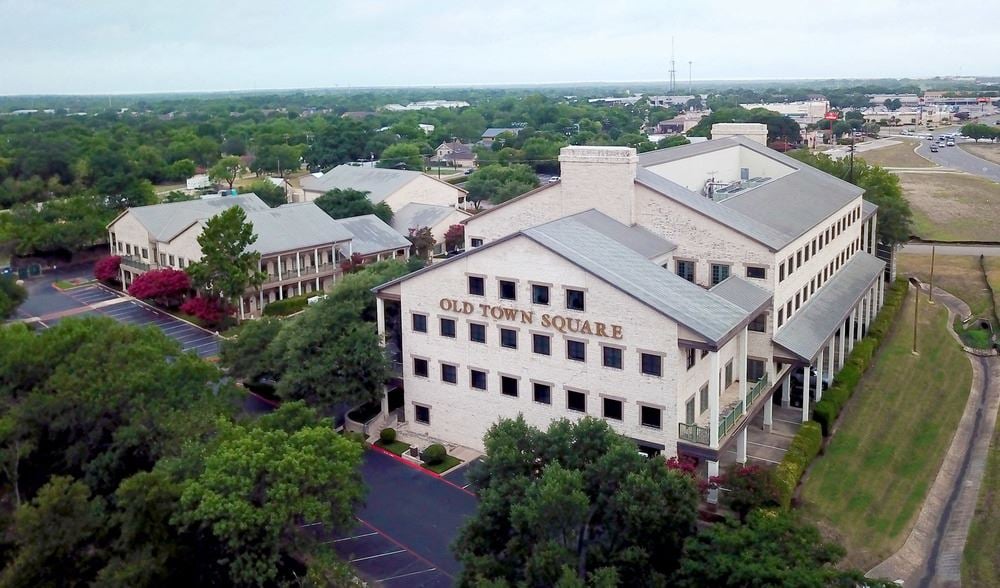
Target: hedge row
807, 442
288, 305
805, 446
827, 410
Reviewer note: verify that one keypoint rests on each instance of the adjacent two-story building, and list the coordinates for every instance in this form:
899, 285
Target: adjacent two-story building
395, 187
672, 293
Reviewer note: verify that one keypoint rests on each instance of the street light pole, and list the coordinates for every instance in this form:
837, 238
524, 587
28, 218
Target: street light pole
916, 305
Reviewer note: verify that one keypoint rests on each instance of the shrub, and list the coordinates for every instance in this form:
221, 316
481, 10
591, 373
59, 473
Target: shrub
210, 310
387, 435
106, 268
165, 286
748, 488
288, 305
825, 413
435, 454
805, 446
355, 437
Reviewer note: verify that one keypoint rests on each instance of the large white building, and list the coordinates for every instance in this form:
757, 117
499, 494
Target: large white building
672, 293
804, 112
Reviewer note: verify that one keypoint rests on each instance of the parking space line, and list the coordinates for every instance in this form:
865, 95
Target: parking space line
393, 540
768, 446
354, 537
406, 575
378, 555
202, 345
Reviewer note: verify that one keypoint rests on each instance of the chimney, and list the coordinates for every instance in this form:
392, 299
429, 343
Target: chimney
599, 177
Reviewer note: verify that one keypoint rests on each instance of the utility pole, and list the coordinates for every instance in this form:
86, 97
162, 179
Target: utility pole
850, 169
690, 83
673, 67
930, 292
916, 306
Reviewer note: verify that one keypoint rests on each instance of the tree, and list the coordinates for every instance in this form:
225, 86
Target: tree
979, 131
258, 483
347, 202
181, 169
423, 241
248, 354
674, 141
12, 295
499, 183
892, 104
279, 159
454, 237
227, 267
166, 286
402, 155
576, 496
267, 191
747, 488
178, 196
226, 170
771, 549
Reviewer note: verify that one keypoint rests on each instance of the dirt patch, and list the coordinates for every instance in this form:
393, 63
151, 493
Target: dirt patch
899, 155
987, 151
952, 207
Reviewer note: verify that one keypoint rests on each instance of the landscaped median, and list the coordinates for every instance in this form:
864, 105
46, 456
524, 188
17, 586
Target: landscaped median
435, 457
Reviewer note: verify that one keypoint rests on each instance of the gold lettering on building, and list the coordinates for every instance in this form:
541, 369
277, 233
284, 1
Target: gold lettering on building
558, 322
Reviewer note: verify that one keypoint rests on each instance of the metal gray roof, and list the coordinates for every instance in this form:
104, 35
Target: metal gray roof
868, 209
378, 182
729, 217
703, 312
811, 327
294, 226
634, 237
742, 293
166, 221
493, 132
415, 215
372, 235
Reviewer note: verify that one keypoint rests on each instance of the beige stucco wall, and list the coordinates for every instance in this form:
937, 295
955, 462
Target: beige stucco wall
425, 190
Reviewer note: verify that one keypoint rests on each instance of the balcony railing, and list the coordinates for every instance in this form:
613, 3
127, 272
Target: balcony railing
727, 421
135, 262
693, 433
307, 272
757, 389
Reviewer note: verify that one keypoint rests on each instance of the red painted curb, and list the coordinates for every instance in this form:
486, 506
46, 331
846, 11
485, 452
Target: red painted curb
404, 546
420, 468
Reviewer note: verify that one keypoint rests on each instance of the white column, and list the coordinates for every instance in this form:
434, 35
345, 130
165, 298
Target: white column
864, 236
741, 446
819, 375
300, 288
874, 240
805, 393
316, 264
242, 309
380, 318
279, 268
852, 330
743, 367
261, 307
713, 470
298, 266
713, 400
873, 300
829, 358
843, 342
768, 414
881, 291
786, 389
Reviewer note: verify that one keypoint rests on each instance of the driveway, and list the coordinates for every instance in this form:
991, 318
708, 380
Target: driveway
960, 159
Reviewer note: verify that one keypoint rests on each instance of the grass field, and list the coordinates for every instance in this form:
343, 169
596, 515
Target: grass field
958, 274
981, 558
900, 155
449, 462
953, 207
988, 151
993, 277
868, 488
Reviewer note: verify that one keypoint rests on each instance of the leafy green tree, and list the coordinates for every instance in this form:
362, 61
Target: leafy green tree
404, 155
248, 355
227, 267
271, 194
226, 170
178, 196
11, 296
181, 169
279, 159
577, 496
499, 183
65, 224
979, 131
423, 241
347, 202
258, 483
675, 141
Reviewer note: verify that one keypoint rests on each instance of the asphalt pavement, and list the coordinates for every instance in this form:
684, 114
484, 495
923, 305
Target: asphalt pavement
960, 159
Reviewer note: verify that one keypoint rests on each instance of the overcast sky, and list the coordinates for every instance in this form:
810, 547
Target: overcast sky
117, 46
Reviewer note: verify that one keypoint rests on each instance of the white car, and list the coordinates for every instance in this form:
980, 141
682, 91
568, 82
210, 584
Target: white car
951, 142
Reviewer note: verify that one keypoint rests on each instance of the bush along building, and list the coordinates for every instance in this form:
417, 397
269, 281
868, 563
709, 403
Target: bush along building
672, 293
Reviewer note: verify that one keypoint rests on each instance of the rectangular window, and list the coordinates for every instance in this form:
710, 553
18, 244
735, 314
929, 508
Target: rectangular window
703, 398
690, 358
508, 290
542, 393
163, 259
541, 344
420, 323
755, 369
814, 246
449, 373
798, 258
807, 252
477, 379
422, 414
574, 299
508, 338
613, 409
719, 272
128, 248
729, 374
651, 417
781, 273
477, 333
791, 264
781, 317
788, 310
145, 253
576, 350
448, 328
539, 294
652, 365
576, 401
476, 242
508, 386
689, 411
170, 258
759, 323
757, 273
180, 262
477, 286
611, 357
685, 269
419, 367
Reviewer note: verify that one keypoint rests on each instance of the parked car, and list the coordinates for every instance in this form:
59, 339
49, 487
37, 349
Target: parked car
951, 142
934, 149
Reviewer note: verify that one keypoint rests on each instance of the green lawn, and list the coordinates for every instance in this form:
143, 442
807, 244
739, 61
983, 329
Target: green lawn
397, 447
868, 488
958, 274
981, 558
448, 463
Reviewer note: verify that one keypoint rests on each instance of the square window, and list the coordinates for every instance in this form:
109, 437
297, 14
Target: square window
685, 269
420, 323
758, 273
652, 365
449, 373
508, 338
576, 401
576, 350
477, 379
613, 409
508, 386
759, 323
422, 414
690, 358
651, 417
755, 369
508, 290
574, 299
541, 344
477, 286
448, 328
477, 333
420, 367
611, 357
719, 272
539, 294
542, 393
475, 242
703, 394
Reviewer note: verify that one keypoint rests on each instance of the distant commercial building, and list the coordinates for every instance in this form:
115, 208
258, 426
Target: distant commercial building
668, 101
198, 182
426, 105
805, 112
395, 187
